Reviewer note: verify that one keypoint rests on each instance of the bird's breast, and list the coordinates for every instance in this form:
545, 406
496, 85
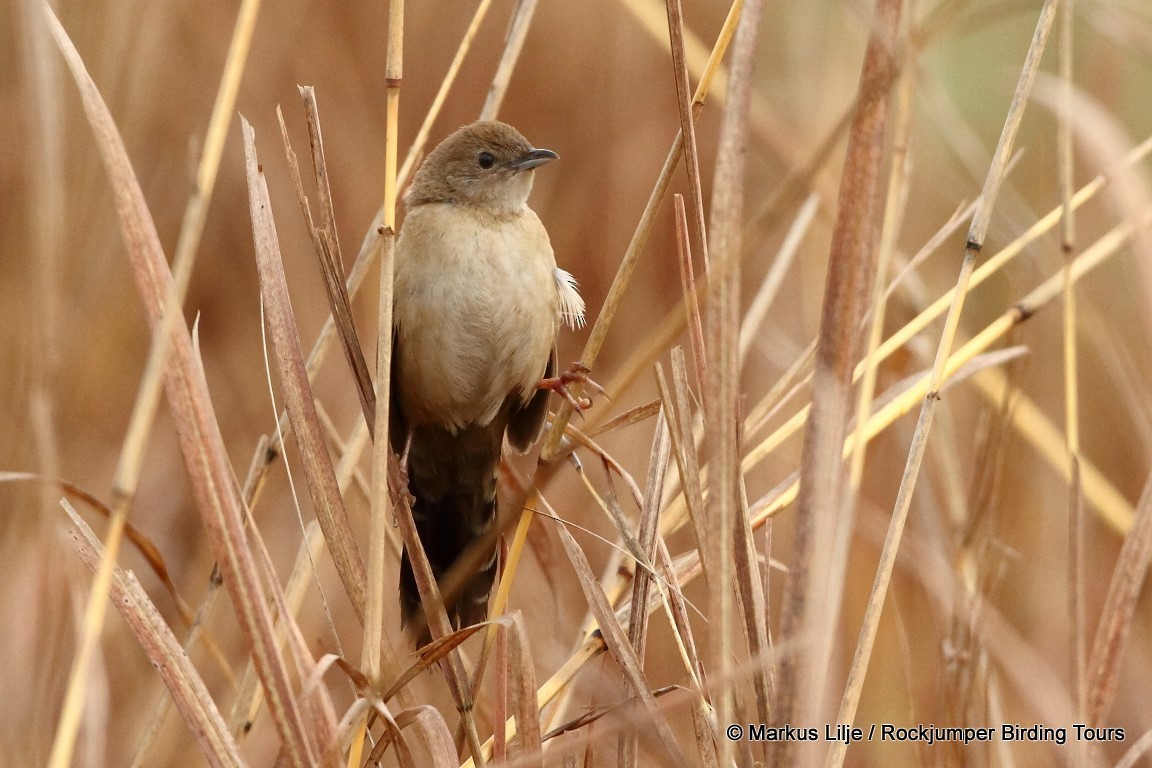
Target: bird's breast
475, 311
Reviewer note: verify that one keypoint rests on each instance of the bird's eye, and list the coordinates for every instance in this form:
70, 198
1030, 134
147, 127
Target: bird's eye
485, 160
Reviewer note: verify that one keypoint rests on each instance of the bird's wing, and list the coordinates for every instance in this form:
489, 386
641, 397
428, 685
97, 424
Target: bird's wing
397, 424
526, 419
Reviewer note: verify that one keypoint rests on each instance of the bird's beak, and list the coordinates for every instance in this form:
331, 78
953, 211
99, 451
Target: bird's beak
534, 158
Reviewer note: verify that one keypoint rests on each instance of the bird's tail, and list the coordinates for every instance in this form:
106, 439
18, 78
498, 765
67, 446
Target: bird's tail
453, 480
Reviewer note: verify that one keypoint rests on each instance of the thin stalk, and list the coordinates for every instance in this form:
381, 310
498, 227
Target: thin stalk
722, 340
1076, 527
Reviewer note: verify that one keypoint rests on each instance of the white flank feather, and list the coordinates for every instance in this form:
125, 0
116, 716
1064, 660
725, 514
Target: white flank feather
571, 303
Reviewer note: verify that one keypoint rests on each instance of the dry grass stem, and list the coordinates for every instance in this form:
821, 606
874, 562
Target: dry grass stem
381, 507
513, 44
1076, 526
1116, 617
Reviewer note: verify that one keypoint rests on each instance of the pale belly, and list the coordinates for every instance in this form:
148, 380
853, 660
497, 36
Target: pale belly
476, 313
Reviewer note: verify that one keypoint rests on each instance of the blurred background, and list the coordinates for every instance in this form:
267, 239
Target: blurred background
595, 84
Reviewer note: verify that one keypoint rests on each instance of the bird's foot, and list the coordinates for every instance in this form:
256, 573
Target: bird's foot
577, 373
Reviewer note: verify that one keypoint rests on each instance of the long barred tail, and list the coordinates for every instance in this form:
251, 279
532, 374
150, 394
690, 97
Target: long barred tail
453, 480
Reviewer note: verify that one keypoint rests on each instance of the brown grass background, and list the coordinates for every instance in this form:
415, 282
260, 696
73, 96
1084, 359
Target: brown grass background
595, 87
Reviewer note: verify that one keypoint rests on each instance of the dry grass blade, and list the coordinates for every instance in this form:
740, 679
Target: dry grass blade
523, 691
1118, 612
434, 734
246, 704
430, 655
316, 705
592, 647
610, 505
646, 541
429, 723
306, 429
1137, 751
703, 716
615, 638
201, 443
509, 562
807, 614
679, 407
685, 451
195, 214
691, 297
628, 418
595, 713
754, 611
139, 233
394, 735
675, 12
163, 649
327, 246
894, 208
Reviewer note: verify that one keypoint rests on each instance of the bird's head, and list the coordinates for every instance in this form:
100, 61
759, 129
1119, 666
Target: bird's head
487, 163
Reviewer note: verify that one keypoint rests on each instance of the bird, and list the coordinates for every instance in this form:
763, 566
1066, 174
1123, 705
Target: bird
478, 304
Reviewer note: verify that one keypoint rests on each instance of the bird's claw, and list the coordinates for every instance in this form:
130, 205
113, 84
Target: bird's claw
576, 373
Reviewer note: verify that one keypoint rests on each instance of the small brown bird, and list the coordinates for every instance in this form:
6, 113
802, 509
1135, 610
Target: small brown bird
478, 305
